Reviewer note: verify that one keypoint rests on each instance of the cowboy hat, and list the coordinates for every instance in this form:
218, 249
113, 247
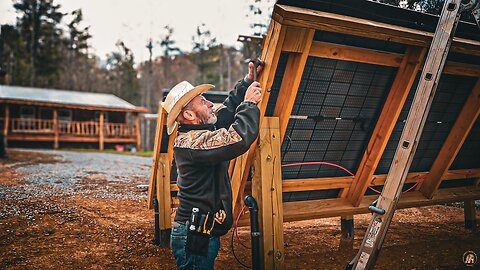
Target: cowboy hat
180, 95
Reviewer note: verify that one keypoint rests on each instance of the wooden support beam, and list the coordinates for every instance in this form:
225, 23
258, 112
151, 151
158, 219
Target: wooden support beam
101, 131
164, 198
238, 192
299, 41
369, 56
470, 215
137, 132
355, 54
386, 123
462, 69
55, 129
313, 209
267, 190
347, 227
465, 121
320, 20
272, 48
161, 120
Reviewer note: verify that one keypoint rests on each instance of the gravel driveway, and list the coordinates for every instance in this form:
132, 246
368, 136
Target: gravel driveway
73, 173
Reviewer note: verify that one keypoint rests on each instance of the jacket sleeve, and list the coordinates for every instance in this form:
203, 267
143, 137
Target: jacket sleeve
225, 115
227, 144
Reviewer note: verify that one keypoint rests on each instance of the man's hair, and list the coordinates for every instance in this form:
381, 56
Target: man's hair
180, 118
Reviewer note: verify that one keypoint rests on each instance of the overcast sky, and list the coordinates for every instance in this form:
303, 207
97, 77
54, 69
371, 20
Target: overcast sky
135, 22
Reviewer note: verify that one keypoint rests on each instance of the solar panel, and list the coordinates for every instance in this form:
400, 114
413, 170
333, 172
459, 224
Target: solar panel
341, 101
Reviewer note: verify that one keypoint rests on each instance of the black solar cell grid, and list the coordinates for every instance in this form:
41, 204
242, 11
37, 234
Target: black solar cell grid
469, 155
333, 89
451, 94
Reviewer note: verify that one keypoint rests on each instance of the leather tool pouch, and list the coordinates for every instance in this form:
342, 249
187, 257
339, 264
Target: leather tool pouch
198, 233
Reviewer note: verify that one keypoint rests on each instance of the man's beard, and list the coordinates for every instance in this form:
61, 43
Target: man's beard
209, 119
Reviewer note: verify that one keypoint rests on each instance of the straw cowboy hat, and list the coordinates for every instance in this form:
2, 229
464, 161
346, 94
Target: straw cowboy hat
180, 95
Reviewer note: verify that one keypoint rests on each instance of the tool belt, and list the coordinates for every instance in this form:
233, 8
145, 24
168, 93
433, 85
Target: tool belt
199, 228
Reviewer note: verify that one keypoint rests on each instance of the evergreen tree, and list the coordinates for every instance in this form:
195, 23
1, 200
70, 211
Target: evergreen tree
122, 75
38, 23
77, 65
203, 41
169, 49
14, 63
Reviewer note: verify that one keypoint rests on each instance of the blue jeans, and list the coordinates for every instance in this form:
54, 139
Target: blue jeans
187, 261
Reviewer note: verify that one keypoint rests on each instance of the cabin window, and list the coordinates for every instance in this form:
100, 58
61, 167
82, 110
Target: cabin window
46, 113
64, 115
27, 112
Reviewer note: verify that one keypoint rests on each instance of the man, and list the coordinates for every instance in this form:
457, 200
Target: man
205, 143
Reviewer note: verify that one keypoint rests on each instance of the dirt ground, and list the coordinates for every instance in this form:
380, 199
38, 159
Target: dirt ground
56, 212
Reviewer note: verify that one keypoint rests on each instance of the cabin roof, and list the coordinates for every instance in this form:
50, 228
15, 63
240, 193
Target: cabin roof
65, 98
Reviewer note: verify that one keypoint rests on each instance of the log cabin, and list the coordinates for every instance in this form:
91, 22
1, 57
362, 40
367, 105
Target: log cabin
62, 118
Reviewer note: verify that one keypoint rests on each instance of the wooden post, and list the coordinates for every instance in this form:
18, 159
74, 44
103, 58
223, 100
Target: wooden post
7, 121
470, 215
161, 120
164, 199
101, 127
267, 190
137, 131
272, 48
347, 227
55, 129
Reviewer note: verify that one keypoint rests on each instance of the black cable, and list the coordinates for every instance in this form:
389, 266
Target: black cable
233, 250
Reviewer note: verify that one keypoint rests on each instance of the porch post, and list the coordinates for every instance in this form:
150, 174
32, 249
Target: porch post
100, 132
137, 131
7, 120
55, 129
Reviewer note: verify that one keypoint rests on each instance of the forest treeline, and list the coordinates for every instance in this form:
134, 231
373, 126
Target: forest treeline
48, 48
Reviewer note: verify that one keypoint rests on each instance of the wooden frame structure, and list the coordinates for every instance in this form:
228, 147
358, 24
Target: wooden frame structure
87, 123
292, 31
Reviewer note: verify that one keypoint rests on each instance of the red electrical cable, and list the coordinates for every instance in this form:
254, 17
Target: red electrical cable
340, 167
326, 163
311, 163
236, 227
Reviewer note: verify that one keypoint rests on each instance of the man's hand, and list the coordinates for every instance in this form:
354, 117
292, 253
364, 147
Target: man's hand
254, 93
250, 70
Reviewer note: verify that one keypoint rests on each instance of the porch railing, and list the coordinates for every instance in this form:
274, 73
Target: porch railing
78, 128
31, 125
72, 128
119, 130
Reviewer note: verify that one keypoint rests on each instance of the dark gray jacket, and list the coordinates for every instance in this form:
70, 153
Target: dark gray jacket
202, 154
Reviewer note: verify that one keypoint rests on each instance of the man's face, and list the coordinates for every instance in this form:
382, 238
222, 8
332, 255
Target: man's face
203, 110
